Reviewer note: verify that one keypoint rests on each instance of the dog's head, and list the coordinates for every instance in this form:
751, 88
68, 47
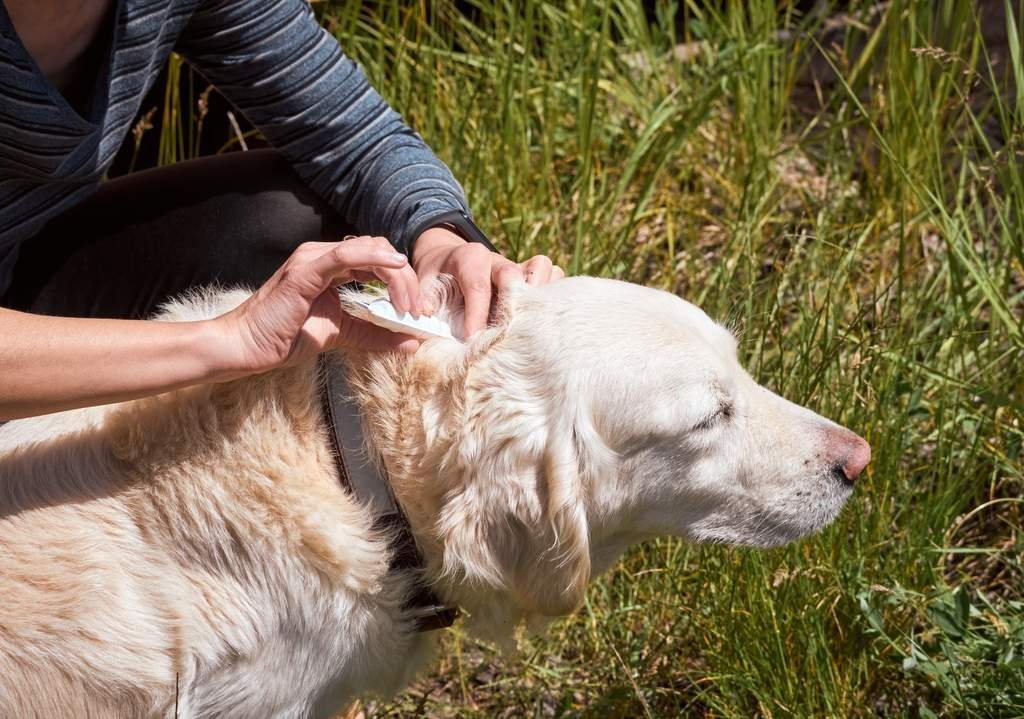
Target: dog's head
600, 413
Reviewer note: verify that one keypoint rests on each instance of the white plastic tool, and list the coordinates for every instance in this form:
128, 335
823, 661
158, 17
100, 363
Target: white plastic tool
383, 314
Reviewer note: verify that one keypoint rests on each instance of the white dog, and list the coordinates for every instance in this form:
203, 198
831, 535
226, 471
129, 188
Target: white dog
193, 554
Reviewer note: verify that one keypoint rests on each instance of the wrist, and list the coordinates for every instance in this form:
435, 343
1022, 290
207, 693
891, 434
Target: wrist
214, 344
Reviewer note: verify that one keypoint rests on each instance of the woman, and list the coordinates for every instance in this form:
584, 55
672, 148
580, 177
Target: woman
80, 262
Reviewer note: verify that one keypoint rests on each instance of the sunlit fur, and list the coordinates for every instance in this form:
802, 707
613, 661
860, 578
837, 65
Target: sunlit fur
193, 553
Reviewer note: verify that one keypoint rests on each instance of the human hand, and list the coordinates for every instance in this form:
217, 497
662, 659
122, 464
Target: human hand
476, 270
296, 313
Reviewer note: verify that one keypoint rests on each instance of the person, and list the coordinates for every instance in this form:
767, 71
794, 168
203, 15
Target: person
83, 262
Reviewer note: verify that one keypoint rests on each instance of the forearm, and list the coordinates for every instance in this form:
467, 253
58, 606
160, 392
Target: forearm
49, 364
288, 76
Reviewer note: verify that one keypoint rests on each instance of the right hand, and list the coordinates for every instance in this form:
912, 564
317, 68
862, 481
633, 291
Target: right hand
296, 314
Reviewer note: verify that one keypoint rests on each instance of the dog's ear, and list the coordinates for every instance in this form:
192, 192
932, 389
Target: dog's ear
551, 575
515, 522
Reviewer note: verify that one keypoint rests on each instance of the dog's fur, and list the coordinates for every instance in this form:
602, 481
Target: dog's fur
193, 554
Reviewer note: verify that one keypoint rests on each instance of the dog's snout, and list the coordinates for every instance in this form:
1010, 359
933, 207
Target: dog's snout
852, 454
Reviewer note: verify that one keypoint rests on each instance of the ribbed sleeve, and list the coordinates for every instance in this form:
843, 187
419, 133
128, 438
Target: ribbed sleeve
289, 77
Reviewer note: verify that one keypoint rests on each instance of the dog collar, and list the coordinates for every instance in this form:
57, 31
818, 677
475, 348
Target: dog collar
364, 481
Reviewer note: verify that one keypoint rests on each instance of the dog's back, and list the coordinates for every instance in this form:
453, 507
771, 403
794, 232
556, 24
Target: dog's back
188, 554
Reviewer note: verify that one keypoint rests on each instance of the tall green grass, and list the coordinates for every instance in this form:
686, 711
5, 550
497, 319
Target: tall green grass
860, 226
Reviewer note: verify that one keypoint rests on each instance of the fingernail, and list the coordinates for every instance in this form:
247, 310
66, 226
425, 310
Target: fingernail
398, 257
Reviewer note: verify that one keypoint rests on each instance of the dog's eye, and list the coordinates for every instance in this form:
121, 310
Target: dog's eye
723, 413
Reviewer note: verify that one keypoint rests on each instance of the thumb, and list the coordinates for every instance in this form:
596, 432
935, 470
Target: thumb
356, 334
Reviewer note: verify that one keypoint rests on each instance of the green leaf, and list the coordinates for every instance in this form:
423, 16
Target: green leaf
871, 614
946, 618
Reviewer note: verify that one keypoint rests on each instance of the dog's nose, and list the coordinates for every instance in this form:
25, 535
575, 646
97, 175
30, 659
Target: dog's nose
854, 454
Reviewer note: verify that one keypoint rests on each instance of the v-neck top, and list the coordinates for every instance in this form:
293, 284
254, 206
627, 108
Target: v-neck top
273, 61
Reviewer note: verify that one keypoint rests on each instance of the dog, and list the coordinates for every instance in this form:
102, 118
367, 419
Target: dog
193, 554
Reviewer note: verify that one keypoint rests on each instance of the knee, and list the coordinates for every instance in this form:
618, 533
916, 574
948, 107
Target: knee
272, 201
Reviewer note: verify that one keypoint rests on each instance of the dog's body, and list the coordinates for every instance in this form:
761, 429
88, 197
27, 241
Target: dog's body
193, 554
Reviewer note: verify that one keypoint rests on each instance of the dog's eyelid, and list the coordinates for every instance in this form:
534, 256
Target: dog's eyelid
724, 412
726, 409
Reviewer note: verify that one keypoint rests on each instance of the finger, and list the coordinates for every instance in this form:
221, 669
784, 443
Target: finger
472, 272
337, 264
403, 288
557, 273
537, 270
309, 251
356, 334
505, 273
403, 284
416, 294
426, 300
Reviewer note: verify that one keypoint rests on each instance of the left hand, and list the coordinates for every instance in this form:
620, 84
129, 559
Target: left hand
477, 270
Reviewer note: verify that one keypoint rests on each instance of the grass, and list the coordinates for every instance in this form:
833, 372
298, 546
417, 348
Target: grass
846, 189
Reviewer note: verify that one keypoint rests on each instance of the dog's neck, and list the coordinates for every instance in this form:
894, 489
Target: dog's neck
424, 418
412, 407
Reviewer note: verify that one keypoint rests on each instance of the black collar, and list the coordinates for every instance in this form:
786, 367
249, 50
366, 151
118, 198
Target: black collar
365, 483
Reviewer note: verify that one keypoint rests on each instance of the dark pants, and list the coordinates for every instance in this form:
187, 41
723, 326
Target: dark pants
141, 239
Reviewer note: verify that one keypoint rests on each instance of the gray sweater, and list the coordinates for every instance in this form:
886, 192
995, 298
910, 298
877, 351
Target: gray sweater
273, 61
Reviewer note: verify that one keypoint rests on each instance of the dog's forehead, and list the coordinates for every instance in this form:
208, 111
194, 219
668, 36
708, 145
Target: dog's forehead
583, 305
